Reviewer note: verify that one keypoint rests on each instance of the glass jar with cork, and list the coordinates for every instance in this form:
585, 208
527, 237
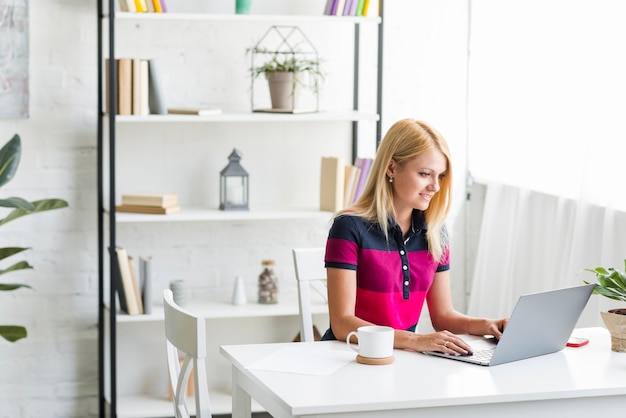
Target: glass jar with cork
268, 283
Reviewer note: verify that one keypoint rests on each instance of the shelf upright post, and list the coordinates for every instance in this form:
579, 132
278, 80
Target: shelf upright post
101, 399
112, 111
355, 92
379, 84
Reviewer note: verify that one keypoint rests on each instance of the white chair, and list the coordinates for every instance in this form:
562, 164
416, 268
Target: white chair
185, 335
310, 273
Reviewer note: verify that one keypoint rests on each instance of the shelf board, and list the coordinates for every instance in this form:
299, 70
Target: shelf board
322, 116
173, 16
194, 214
223, 310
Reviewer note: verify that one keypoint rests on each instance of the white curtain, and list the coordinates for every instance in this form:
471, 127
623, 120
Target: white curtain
546, 113
532, 241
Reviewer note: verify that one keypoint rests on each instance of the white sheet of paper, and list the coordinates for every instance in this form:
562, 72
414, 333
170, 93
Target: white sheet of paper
305, 359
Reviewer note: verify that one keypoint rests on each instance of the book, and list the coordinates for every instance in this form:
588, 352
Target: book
348, 7
136, 287
341, 4
280, 110
158, 7
329, 6
145, 281
194, 110
353, 6
162, 5
127, 6
124, 86
141, 6
140, 86
107, 97
350, 181
332, 182
127, 281
116, 276
162, 200
148, 209
359, 8
365, 165
150, 6
156, 102
366, 7
333, 7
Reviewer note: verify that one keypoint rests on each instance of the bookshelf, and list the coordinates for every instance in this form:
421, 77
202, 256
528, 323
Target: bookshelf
135, 344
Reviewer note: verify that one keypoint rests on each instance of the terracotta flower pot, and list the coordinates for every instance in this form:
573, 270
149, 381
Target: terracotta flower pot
616, 324
283, 91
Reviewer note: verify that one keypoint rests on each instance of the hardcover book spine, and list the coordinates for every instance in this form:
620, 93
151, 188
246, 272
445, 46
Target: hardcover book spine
124, 86
145, 273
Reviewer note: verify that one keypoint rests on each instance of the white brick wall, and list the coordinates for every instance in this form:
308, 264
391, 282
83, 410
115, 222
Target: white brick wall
53, 373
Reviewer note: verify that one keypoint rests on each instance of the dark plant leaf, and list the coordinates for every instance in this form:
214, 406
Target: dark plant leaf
12, 333
12, 286
17, 202
40, 206
10, 159
9, 251
20, 265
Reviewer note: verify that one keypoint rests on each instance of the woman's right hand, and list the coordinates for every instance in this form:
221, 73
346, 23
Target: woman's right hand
443, 341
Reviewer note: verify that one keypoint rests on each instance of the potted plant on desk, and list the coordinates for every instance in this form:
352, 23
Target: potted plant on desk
611, 283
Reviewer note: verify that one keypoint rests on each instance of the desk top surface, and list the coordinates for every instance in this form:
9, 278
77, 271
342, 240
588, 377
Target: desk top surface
416, 380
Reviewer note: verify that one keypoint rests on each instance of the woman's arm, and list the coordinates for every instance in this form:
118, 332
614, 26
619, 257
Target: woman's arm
444, 317
341, 306
342, 302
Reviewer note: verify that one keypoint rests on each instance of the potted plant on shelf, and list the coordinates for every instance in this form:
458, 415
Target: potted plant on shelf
611, 283
9, 160
292, 64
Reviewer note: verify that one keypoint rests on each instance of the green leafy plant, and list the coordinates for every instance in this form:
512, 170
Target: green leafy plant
9, 160
611, 283
292, 62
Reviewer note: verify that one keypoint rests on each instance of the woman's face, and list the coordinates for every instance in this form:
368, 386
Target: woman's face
415, 183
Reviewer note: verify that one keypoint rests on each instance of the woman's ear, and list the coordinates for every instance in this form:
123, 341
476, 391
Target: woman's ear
390, 168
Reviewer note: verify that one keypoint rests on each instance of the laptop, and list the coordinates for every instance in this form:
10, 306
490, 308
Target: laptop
541, 323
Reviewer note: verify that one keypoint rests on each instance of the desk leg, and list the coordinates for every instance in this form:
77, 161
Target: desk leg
241, 399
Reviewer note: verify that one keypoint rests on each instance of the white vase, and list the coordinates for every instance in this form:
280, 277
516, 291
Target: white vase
239, 292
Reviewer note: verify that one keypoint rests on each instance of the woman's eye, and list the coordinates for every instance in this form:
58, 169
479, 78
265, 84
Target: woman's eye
424, 174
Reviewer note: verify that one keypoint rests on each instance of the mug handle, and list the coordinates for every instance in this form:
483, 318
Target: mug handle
348, 340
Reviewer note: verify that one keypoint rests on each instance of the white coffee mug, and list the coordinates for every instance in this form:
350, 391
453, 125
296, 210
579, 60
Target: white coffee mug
374, 341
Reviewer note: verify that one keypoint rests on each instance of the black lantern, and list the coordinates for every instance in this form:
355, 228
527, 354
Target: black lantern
234, 184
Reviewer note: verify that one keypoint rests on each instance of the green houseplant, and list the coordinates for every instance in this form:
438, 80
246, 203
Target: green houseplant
9, 161
290, 63
285, 73
611, 283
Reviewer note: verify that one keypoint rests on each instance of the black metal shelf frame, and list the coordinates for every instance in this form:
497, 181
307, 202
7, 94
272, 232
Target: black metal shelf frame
109, 12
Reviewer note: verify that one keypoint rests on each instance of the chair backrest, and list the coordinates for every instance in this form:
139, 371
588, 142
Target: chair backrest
310, 274
185, 335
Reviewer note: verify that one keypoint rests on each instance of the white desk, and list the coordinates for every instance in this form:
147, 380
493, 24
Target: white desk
575, 382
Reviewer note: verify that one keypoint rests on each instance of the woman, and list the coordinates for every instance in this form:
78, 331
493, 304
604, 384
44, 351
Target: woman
389, 252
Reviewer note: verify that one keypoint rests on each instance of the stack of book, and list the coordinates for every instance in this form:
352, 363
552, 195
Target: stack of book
341, 185
156, 203
138, 90
133, 290
347, 7
143, 6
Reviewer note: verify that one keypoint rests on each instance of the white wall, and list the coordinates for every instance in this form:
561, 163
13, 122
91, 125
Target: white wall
53, 372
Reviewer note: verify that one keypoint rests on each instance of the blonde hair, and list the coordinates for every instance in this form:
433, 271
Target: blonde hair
406, 140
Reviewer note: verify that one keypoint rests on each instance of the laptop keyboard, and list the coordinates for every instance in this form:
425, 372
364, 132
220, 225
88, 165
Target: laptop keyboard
483, 355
